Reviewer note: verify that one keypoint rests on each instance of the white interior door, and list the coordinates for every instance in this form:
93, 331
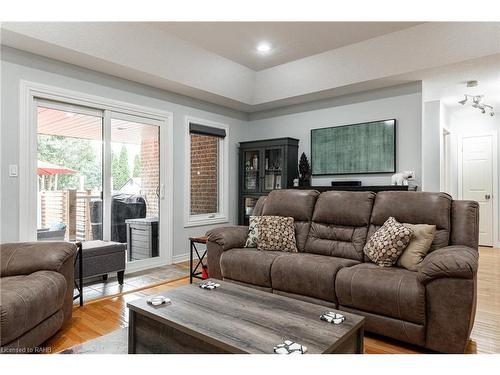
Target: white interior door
477, 181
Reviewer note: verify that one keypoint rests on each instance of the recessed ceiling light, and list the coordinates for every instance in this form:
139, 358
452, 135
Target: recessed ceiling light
263, 47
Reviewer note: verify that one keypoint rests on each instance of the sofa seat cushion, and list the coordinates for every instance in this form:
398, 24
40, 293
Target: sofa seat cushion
393, 292
26, 301
248, 265
306, 274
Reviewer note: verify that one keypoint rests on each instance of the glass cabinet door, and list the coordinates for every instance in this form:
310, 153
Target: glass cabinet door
251, 170
273, 169
249, 205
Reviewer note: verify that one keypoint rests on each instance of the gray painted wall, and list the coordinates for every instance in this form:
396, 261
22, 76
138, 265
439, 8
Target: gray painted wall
405, 108
431, 137
17, 65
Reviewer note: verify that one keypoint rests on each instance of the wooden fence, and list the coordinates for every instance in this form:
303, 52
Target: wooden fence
70, 207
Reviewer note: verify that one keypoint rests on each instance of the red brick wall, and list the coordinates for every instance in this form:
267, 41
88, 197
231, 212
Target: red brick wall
150, 174
204, 166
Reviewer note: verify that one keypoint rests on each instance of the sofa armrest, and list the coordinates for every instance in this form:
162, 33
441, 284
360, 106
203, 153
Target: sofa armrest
219, 240
24, 258
451, 261
229, 237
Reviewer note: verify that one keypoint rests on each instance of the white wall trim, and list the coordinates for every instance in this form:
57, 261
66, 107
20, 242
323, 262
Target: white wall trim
180, 258
28, 146
494, 136
223, 215
445, 160
27, 163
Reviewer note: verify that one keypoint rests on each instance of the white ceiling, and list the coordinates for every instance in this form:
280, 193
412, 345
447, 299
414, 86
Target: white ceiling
149, 54
290, 41
449, 85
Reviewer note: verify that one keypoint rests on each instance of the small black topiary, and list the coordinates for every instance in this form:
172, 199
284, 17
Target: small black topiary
304, 171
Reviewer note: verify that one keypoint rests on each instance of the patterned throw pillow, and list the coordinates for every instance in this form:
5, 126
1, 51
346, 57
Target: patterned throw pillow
276, 233
253, 232
386, 245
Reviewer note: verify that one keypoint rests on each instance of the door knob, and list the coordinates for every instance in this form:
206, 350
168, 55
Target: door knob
487, 196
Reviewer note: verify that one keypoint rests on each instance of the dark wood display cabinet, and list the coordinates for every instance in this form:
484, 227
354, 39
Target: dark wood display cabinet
264, 166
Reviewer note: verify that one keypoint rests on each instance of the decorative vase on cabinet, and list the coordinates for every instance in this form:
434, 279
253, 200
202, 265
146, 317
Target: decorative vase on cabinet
265, 165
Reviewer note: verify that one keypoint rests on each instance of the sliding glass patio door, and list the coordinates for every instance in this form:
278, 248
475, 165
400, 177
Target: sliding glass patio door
98, 174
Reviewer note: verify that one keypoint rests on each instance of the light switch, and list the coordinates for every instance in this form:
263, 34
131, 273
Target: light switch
13, 172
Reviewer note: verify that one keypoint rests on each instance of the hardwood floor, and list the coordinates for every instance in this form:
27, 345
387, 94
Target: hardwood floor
101, 317
97, 288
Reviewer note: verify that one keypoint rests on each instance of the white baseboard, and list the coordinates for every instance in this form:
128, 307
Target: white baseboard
180, 258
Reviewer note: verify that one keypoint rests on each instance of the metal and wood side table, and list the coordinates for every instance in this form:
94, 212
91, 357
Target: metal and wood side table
193, 272
79, 284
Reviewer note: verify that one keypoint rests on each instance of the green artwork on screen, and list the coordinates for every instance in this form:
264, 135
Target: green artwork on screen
354, 149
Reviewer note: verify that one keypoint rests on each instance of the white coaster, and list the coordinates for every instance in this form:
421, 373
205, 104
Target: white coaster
290, 347
209, 285
332, 317
158, 300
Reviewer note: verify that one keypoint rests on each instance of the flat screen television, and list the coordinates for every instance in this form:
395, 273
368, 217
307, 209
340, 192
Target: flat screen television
364, 148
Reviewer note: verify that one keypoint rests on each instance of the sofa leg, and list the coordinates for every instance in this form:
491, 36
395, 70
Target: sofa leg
120, 277
105, 277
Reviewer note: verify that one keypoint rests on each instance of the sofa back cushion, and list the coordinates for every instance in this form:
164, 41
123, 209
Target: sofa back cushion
340, 224
414, 208
257, 210
295, 203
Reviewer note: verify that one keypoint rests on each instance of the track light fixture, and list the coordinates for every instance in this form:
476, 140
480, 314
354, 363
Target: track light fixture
476, 103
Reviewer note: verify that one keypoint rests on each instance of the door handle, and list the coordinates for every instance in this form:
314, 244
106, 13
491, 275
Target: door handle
162, 191
487, 196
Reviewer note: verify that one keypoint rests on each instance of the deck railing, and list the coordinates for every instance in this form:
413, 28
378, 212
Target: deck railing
70, 207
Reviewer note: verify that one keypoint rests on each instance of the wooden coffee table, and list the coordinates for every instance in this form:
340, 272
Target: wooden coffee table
236, 319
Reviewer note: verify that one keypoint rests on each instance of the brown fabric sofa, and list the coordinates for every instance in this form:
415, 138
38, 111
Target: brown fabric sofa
433, 307
36, 292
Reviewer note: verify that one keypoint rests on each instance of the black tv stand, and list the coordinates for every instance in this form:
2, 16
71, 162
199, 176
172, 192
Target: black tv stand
374, 188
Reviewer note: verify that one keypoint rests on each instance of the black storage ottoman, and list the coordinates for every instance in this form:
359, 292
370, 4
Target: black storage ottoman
101, 258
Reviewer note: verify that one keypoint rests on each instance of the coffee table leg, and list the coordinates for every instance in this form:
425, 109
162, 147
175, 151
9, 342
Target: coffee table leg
360, 347
131, 332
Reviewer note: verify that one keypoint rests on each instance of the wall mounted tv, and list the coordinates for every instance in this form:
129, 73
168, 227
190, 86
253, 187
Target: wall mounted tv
365, 148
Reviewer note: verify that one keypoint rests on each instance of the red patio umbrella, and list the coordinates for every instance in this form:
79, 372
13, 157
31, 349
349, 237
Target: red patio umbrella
48, 169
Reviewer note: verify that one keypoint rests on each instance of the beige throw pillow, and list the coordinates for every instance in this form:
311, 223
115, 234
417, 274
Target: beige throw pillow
386, 245
253, 232
276, 233
417, 249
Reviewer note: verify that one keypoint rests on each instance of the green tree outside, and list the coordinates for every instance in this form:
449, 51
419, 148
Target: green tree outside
137, 166
120, 169
73, 153
84, 157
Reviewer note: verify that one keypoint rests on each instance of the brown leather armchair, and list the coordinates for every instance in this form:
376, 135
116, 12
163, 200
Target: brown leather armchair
36, 292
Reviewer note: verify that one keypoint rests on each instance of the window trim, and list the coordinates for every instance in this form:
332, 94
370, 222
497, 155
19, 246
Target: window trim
222, 216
